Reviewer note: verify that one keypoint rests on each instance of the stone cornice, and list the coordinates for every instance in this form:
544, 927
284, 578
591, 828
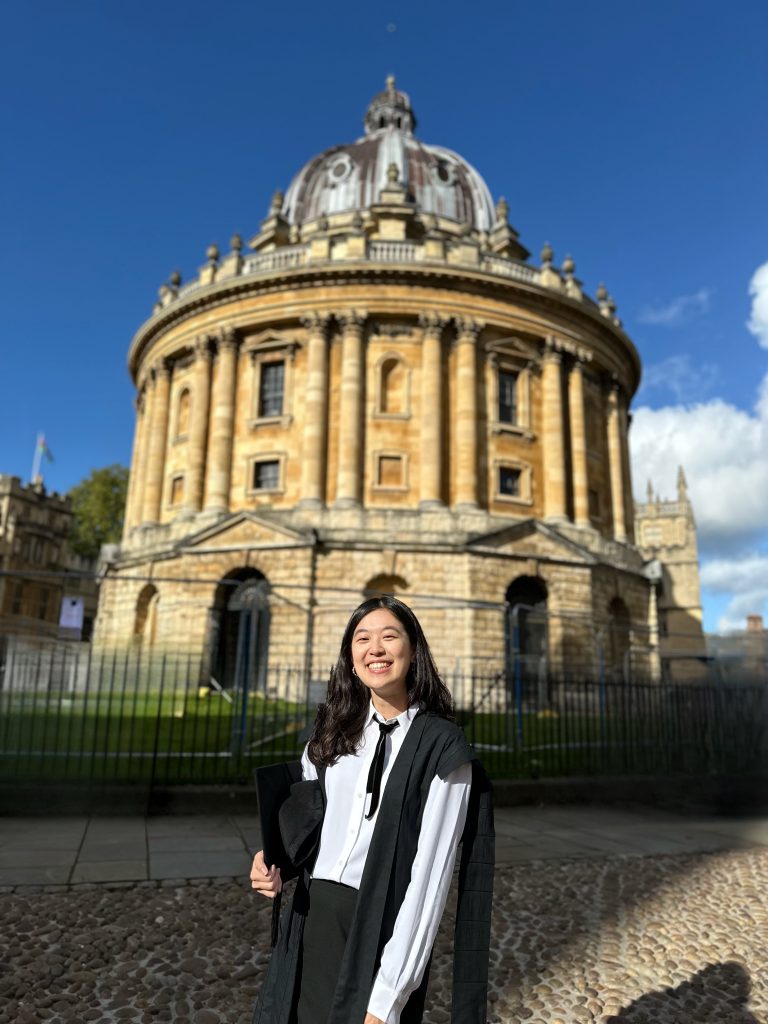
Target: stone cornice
474, 282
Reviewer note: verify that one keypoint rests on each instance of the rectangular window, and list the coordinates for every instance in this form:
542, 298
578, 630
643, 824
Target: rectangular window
390, 471
18, 595
652, 535
271, 386
507, 397
266, 475
510, 481
594, 503
177, 490
42, 609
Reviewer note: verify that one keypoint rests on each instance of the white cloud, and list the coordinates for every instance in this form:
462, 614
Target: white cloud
746, 579
679, 374
758, 319
678, 310
724, 452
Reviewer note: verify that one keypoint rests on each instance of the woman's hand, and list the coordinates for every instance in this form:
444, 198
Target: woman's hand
265, 880
370, 1019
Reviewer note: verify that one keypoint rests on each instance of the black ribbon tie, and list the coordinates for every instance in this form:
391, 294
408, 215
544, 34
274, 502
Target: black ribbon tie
377, 766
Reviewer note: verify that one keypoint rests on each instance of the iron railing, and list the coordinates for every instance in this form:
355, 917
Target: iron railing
69, 713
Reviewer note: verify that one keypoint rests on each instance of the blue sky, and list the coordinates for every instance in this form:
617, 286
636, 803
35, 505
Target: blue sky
631, 136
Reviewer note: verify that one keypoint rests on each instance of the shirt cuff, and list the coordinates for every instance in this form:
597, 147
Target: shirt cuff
385, 1003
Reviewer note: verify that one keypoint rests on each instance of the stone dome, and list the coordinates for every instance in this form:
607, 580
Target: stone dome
350, 177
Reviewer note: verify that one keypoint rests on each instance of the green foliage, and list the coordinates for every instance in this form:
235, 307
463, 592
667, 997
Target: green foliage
98, 503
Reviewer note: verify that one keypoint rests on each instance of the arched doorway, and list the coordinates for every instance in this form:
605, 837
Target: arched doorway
619, 640
240, 631
526, 636
145, 619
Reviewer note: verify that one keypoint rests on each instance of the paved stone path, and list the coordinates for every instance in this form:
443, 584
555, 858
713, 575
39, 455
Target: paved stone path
44, 851
629, 917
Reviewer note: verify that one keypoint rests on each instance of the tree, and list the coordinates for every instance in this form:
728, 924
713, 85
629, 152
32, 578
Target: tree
98, 504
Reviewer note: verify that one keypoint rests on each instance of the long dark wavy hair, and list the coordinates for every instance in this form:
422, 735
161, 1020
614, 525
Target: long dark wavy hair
340, 720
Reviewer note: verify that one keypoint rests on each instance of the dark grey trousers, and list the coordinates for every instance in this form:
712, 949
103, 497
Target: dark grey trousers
331, 906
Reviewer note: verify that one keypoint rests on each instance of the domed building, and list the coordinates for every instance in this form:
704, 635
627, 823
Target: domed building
380, 392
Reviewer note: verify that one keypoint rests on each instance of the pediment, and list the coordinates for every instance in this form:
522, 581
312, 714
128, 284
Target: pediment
246, 530
516, 347
532, 539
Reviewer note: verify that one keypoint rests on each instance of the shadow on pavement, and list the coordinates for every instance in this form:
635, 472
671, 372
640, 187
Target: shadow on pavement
718, 994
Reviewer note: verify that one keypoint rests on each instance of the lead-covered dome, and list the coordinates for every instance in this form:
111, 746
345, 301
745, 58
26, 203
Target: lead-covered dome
350, 177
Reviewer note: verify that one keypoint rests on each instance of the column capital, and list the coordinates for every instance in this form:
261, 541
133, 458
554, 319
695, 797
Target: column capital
352, 320
581, 357
615, 389
161, 369
201, 347
315, 322
227, 338
553, 349
468, 328
432, 323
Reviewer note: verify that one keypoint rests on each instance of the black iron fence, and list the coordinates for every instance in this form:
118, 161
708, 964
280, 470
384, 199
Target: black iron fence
69, 713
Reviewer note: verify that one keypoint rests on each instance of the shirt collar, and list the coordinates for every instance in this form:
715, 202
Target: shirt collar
404, 718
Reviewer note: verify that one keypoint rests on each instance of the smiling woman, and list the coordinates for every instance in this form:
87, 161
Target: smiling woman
399, 792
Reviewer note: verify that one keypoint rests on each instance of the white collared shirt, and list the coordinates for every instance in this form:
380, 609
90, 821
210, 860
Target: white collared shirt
346, 837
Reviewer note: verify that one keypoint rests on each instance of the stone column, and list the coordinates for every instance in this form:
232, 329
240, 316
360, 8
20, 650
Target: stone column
222, 424
466, 413
349, 481
578, 443
198, 428
552, 440
431, 452
629, 505
156, 444
133, 500
313, 447
614, 463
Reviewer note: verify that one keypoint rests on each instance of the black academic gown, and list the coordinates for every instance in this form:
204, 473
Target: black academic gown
432, 746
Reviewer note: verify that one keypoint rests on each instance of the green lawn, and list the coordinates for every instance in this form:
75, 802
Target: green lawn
178, 738
186, 737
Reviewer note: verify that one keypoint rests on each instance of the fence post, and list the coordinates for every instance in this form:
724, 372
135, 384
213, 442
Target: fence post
601, 684
518, 668
158, 719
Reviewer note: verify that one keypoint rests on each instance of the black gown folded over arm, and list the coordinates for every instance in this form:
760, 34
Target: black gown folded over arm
291, 815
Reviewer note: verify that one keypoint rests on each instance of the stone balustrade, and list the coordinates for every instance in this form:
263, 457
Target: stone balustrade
375, 251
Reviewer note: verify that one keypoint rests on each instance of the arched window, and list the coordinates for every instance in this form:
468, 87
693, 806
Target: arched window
145, 621
527, 635
182, 413
393, 398
385, 583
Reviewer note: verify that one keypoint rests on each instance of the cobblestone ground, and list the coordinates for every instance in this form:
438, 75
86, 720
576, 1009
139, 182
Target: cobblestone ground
636, 940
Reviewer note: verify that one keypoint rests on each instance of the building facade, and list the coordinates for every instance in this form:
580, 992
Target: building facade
666, 536
40, 571
381, 392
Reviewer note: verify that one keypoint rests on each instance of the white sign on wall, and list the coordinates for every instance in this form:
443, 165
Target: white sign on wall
72, 613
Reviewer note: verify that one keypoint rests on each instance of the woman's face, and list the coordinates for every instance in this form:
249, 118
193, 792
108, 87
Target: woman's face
382, 655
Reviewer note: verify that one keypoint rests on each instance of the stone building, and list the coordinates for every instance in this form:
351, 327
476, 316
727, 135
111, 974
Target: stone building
40, 571
741, 655
666, 536
380, 392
